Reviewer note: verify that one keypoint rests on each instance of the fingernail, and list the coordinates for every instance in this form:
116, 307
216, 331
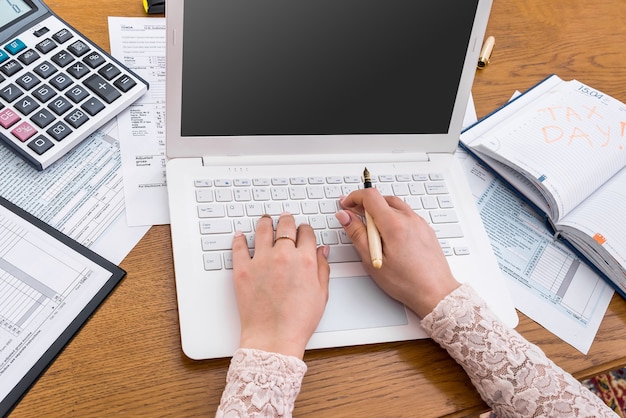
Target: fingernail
326, 250
238, 233
343, 218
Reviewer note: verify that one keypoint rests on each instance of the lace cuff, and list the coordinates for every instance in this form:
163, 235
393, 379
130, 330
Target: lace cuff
513, 376
261, 384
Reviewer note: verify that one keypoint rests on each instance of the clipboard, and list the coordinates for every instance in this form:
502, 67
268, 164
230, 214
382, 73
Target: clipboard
50, 286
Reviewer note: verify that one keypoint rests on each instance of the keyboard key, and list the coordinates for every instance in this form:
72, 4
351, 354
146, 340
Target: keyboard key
42, 118
78, 48
59, 105
343, 254
102, 88
44, 93
10, 68
92, 106
62, 36
8, 118
46, 46
28, 57
23, 131
109, 72
10, 92
59, 131
124, 83
40, 144
62, 58
45, 69
76, 118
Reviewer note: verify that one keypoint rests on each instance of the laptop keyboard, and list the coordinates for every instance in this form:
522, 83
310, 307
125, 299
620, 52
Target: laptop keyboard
229, 204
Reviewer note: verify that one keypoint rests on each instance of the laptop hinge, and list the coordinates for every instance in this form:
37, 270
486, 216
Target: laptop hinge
314, 159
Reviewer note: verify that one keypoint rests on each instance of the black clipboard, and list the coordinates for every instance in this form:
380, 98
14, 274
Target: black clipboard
108, 275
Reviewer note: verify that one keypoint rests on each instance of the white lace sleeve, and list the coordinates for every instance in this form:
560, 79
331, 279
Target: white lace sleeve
261, 384
513, 377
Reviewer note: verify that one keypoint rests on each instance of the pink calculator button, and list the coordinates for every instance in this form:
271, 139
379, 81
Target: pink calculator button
23, 131
8, 118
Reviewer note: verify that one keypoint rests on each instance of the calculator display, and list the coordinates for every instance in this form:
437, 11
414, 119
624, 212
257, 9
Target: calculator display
10, 10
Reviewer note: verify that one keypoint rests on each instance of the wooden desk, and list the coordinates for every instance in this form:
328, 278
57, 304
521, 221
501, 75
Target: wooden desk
127, 360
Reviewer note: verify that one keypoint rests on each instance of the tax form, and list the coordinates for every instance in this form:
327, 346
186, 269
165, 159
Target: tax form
43, 303
547, 281
140, 44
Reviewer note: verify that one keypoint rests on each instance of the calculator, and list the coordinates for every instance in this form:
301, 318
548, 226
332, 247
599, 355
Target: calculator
56, 86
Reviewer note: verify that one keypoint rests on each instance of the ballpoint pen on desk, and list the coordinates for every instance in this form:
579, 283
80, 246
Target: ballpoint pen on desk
373, 236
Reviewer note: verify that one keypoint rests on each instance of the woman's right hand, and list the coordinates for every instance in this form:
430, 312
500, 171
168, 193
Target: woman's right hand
415, 270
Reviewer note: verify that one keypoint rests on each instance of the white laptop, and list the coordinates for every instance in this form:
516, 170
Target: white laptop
278, 105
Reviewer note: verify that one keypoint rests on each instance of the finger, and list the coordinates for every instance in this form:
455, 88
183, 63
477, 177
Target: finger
306, 237
323, 269
286, 230
356, 231
241, 254
264, 234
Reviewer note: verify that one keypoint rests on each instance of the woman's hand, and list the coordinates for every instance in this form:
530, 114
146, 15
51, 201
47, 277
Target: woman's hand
282, 291
415, 270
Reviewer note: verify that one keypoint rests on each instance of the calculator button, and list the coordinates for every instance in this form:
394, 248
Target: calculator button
101, 88
23, 131
78, 48
78, 70
42, 118
41, 32
76, 118
109, 72
8, 118
59, 131
10, 92
44, 93
45, 69
62, 58
28, 57
3, 56
62, 36
26, 106
28, 81
124, 83
92, 106
77, 93
10, 68
15, 46
46, 46
94, 59
40, 144
59, 105
61, 82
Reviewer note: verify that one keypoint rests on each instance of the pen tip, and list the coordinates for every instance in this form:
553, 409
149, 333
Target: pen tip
366, 173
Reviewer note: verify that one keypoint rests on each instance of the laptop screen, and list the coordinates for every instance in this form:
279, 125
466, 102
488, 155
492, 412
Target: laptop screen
320, 67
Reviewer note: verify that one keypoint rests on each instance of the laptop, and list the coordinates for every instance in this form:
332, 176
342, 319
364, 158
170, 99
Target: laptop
278, 105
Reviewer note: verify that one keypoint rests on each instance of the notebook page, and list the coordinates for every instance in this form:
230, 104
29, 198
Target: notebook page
601, 217
569, 140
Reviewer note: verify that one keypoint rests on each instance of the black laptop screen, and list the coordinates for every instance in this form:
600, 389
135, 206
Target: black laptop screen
317, 67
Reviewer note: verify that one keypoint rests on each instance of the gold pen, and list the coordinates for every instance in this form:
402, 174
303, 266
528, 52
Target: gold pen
373, 236
485, 53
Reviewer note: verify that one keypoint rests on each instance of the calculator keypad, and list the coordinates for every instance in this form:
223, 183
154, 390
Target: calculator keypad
56, 88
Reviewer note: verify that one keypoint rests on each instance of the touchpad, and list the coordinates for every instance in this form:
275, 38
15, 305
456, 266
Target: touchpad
356, 303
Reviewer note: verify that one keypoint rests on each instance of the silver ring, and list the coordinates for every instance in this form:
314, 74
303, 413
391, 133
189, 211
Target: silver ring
285, 237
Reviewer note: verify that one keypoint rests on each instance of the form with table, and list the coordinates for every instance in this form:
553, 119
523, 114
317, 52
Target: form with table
127, 359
